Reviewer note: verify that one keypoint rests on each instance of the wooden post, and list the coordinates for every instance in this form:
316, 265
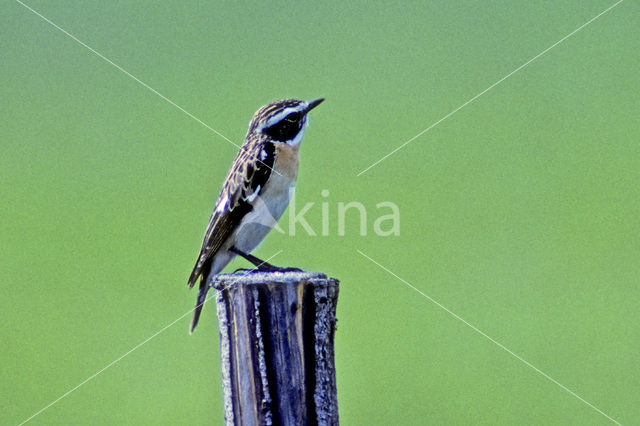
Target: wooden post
276, 344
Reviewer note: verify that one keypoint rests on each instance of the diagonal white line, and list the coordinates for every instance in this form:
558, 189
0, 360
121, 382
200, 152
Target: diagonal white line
101, 56
108, 365
115, 361
500, 345
127, 73
490, 87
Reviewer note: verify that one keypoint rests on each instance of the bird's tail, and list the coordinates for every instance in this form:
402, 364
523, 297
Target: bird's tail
202, 296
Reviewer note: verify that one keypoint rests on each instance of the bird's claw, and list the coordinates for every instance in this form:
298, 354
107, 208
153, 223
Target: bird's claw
270, 268
245, 271
284, 269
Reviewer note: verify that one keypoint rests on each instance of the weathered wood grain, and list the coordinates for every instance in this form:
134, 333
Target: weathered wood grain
276, 342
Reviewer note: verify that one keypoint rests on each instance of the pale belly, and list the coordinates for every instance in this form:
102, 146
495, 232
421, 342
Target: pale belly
267, 210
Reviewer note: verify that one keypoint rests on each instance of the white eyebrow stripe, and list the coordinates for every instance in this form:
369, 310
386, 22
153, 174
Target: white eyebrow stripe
282, 114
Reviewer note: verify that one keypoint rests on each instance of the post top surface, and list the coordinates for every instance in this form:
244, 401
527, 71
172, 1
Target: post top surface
271, 277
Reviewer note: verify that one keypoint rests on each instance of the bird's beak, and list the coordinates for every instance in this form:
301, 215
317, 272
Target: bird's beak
314, 104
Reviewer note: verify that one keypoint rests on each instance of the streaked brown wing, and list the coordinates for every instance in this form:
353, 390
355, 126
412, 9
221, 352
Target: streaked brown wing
248, 174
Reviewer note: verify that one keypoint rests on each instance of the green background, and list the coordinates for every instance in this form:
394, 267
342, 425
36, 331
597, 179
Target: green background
520, 212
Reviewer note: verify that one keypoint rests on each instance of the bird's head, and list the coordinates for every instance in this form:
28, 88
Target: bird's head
283, 121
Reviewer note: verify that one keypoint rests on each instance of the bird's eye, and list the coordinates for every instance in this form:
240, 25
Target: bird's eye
293, 117
287, 128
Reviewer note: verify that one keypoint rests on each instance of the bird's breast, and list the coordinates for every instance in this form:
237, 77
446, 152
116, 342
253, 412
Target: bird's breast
279, 187
286, 164
272, 201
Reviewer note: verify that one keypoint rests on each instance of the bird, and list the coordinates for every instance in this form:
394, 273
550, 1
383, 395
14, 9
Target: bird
255, 192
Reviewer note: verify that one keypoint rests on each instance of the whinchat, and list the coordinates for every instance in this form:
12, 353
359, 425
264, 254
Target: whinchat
255, 192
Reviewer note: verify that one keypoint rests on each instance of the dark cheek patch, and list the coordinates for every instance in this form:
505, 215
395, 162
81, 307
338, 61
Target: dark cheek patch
284, 130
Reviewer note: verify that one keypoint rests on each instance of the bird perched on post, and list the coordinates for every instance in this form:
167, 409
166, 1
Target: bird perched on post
255, 192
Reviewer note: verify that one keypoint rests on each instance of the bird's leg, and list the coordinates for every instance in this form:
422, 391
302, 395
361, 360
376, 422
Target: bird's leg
261, 265
258, 263
244, 271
